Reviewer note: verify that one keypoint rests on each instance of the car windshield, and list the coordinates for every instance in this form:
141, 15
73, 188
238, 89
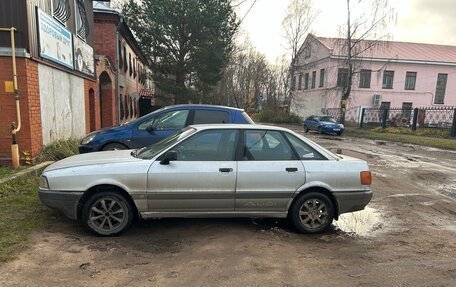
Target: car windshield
327, 119
141, 118
153, 150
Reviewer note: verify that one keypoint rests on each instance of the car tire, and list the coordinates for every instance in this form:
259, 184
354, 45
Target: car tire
114, 146
312, 213
339, 133
320, 130
107, 213
306, 129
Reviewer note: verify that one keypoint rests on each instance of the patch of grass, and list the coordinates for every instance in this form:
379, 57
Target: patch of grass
59, 150
5, 171
426, 132
20, 214
277, 117
436, 142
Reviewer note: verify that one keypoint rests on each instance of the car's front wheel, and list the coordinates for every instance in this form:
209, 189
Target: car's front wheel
320, 130
107, 213
312, 213
306, 129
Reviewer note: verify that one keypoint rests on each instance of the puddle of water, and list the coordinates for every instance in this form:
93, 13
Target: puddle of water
362, 223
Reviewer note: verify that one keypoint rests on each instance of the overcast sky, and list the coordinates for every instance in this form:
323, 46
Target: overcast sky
423, 21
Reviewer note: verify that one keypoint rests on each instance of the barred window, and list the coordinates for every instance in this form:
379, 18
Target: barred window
82, 24
61, 10
306, 81
300, 82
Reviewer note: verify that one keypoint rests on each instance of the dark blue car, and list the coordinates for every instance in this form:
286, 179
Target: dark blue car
323, 124
159, 124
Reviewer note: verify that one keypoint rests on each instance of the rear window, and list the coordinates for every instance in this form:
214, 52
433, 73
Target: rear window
210, 117
247, 118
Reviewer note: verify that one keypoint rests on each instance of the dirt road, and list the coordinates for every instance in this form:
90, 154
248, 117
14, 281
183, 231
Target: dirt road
407, 237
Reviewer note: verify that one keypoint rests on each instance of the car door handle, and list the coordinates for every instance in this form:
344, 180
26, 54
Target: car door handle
225, 169
291, 169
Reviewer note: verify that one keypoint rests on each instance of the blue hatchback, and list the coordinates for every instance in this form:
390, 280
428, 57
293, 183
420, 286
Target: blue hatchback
323, 124
159, 124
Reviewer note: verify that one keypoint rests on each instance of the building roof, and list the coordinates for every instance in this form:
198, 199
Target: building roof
404, 51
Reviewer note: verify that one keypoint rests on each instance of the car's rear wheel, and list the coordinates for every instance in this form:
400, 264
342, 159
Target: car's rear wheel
107, 213
312, 213
320, 130
114, 146
306, 129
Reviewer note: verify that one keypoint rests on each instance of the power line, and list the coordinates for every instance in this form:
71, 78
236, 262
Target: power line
248, 11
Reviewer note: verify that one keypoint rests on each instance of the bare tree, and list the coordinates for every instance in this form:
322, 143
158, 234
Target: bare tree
296, 24
370, 25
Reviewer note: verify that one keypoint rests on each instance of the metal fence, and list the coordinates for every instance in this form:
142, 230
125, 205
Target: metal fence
443, 118
435, 118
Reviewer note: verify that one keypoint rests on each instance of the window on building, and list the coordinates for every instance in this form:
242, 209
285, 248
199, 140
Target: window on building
293, 86
120, 55
322, 78
125, 59
365, 78
410, 80
130, 64
407, 110
134, 67
314, 79
300, 82
61, 10
306, 81
342, 77
82, 24
388, 78
307, 51
440, 89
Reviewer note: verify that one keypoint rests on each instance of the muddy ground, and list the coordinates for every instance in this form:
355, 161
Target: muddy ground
407, 237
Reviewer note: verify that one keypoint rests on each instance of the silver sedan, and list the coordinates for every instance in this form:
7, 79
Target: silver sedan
209, 171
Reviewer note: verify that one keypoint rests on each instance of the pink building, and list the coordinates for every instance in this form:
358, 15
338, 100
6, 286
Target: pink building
386, 74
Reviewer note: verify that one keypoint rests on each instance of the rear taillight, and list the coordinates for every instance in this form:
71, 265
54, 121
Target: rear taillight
366, 177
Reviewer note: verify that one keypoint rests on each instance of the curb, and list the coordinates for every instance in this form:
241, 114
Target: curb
34, 170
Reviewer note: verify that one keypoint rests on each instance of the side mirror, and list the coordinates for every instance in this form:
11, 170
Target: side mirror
169, 156
309, 155
150, 128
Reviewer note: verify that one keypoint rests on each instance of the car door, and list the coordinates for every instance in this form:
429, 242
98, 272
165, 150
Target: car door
158, 127
268, 173
202, 179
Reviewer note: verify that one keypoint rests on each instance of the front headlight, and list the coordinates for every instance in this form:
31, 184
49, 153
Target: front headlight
88, 139
44, 184
341, 126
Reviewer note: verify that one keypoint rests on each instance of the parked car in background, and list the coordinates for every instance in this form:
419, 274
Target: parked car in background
323, 124
210, 171
159, 124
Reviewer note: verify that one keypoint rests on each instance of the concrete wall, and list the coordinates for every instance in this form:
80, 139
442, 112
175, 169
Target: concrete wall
62, 104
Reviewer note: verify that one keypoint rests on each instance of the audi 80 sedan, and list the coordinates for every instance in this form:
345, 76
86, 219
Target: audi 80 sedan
222, 170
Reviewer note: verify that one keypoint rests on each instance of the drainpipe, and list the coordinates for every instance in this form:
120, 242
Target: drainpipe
117, 68
15, 128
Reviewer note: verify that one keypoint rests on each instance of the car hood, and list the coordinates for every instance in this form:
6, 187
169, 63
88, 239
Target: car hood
329, 123
95, 158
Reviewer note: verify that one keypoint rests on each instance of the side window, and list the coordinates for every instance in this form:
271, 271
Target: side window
266, 145
210, 117
213, 145
173, 120
305, 152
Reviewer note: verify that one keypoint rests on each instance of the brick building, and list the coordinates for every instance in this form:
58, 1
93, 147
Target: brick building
120, 94
55, 71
